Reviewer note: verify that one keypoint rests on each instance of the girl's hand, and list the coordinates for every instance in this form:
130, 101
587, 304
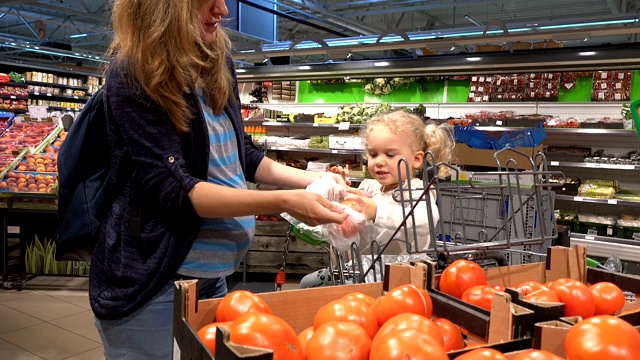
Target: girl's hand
312, 209
342, 172
364, 205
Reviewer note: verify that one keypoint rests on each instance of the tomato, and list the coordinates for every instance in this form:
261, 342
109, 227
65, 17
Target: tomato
208, 334
483, 354
267, 331
403, 299
479, 295
407, 344
239, 302
409, 321
348, 310
536, 355
527, 287
542, 295
498, 288
608, 297
339, 341
461, 275
602, 337
304, 337
450, 334
368, 300
576, 297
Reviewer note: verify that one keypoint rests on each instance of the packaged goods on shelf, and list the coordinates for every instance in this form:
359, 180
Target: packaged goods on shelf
596, 225
629, 228
346, 142
322, 164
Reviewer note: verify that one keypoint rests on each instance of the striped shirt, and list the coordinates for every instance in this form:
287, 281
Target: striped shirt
221, 243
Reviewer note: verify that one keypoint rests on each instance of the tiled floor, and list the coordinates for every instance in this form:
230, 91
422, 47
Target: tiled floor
51, 319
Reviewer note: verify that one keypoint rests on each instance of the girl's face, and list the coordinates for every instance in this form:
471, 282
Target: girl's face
384, 150
210, 14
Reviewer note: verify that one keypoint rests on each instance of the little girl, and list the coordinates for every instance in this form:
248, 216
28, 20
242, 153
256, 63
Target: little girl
389, 138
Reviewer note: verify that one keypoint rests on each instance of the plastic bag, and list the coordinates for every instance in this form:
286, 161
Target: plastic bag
341, 236
376, 273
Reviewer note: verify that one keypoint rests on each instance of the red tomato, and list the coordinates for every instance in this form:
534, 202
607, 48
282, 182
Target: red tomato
536, 355
339, 341
450, 334
407, 344
304, 337
576, 297
542, 295
409, 321
602, 337
403, 299
461, 275
267, 331
346, 310
479, 295
483, 354
208, 334
239, 302
528, 287
368, 300
608, 297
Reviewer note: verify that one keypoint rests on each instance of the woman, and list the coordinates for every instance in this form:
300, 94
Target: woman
179, 151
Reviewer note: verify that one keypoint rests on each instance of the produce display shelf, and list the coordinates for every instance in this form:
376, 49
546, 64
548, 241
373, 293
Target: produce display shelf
319, 151
58, 96
603, 246
38, 83
307, 125
560, 130
16, 97
594, 165
597, 201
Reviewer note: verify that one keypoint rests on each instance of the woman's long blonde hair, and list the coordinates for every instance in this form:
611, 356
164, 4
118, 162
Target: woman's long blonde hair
160, 43
435, 138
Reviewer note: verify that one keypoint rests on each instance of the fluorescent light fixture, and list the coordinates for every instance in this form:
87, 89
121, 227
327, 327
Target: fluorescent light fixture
304, 67
381, 63
475, 58
473, 21
241, 70
587, 53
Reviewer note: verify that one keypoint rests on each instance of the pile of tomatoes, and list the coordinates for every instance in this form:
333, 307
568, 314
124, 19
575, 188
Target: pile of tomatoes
399, 324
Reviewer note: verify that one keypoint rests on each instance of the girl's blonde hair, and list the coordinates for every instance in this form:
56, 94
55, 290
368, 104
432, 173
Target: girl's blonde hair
435, 138
160, 44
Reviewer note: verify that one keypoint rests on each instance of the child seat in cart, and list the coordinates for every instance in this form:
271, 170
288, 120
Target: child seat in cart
502, 217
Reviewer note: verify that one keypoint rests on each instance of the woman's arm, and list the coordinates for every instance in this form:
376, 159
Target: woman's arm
273, 173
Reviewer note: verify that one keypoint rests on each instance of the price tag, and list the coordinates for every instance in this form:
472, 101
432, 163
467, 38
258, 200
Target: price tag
628, 167
612, 201
36, 93
499, 122
592, 165
554, 163
589, 237
577, 198
316, 125
48, 94
334, 151
344, 126
12, 96
75, 97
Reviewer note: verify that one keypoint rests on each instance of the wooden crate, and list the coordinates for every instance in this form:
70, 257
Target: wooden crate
265, 253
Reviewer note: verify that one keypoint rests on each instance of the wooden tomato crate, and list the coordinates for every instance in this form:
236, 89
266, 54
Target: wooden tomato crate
265, 253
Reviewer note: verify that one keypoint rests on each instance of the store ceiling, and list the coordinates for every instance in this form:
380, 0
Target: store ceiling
75, 33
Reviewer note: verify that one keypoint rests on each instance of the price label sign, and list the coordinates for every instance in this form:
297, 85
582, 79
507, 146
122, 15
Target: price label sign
38, 112
554, 163
344, 126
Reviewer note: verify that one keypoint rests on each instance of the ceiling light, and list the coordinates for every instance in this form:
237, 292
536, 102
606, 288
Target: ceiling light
476, 58
473, 21
381, 63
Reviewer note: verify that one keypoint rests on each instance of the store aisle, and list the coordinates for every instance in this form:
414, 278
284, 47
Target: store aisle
51, 319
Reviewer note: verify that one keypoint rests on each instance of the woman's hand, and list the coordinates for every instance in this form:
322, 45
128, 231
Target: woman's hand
312, 209
364, 205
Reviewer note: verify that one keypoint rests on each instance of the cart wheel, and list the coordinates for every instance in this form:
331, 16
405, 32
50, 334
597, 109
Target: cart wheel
8, 285
20, 285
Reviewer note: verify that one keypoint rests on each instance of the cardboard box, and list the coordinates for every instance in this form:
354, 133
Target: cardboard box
297, 307
465, 155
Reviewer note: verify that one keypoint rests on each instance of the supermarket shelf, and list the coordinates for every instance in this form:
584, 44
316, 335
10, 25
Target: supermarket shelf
11, 83
604, 246
597, 201
561, 130
594, 165
14, 97
320, 151
347, 126
56, 85
82, 98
